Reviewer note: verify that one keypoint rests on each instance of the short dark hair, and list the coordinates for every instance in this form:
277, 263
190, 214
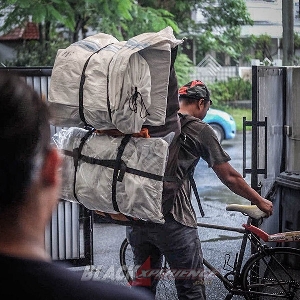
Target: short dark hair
188, 100
193, 91
24, 136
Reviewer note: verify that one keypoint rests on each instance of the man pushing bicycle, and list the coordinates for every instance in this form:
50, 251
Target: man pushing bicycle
177, 239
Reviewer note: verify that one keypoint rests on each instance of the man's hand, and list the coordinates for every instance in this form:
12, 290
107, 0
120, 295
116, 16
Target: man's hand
266, 206
236, 183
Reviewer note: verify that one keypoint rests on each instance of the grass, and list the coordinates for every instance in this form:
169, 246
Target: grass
238, 114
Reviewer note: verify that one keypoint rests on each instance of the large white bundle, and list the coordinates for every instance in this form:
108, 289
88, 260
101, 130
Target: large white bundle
66, 76
137, 196
126, 83
155, 48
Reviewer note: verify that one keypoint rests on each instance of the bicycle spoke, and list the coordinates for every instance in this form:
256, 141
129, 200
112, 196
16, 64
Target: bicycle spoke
275, 274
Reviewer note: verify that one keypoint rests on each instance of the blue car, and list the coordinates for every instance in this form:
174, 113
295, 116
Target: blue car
222, 122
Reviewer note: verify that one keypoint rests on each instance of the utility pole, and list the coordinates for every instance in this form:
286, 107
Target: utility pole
288, 32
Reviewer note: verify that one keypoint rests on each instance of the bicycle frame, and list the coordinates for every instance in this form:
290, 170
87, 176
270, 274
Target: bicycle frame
271, 272
230, 285
250, 233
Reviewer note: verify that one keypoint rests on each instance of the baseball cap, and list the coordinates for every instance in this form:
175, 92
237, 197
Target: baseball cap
195, 89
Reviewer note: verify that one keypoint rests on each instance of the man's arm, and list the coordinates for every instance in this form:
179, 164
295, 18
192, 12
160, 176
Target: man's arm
236, 183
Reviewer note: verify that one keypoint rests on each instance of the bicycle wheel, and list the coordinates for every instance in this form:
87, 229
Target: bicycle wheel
126, 260
165, 289
273, 273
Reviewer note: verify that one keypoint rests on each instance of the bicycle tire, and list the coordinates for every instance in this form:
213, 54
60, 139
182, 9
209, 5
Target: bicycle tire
165, 290
272, 273
126, 259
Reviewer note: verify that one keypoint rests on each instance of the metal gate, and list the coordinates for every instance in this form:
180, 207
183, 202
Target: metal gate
275, 140
268, 111
69, 236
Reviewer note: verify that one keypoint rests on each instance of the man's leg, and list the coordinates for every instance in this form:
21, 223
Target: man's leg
146, 256
182, 248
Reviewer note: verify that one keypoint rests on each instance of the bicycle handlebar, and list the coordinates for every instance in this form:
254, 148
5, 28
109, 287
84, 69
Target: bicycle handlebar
250, 210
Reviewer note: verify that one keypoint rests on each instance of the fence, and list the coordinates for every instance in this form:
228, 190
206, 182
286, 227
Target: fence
209, 70
210, 75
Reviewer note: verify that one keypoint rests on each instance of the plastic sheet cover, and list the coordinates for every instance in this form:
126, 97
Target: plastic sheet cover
137, 196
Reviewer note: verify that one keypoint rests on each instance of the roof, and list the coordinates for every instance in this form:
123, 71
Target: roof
29, 32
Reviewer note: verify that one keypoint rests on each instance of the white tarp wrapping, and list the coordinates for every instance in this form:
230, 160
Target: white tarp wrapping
137, 196
65, 82
131, 76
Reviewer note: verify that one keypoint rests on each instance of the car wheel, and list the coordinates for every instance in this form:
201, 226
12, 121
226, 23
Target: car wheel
219, 132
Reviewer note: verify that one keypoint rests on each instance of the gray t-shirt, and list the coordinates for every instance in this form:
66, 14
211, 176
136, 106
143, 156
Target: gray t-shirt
208, 148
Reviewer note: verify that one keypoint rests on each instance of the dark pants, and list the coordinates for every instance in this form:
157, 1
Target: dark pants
182, 249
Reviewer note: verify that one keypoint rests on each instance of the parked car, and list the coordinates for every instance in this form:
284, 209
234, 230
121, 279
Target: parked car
223, 124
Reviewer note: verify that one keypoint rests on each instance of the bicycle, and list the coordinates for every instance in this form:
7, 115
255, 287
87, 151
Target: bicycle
269, 273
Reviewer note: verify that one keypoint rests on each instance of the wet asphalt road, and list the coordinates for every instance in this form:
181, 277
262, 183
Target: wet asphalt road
215, 244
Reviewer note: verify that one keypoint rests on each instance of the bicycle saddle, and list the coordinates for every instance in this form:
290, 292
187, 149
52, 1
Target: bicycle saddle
250, 210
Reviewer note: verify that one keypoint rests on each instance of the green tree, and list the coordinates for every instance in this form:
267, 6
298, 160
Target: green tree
183, 67
297, 46
63, 21
219, 31
219, 28
263, 45
51, 16
42, 12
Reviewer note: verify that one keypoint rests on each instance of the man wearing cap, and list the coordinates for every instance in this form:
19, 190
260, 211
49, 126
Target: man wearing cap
178, 238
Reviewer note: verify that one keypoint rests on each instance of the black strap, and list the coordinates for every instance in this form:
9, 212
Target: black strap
111, 163
194, 187
77, 156
131, 221
82, 81
107, 98
117, 170
184, 121
190, 176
